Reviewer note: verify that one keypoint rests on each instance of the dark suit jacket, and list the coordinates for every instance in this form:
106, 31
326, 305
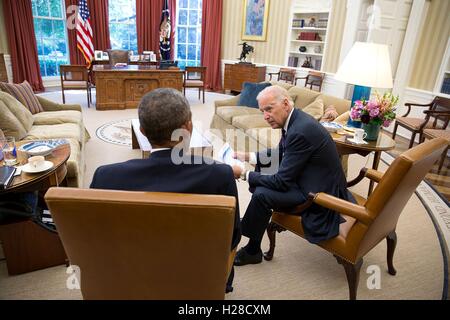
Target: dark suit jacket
310, 164
160, 174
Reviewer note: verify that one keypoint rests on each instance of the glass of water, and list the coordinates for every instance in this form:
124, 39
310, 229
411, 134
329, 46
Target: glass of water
9, 151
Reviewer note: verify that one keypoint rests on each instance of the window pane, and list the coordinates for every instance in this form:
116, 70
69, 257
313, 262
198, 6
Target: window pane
51, 68
183, 4
55, 8
42, 8
46, 27
192, 35
193, 15
122, 24
59, 29
182, 19
37, 26
181, 35
193, 4
191, 52
182, 51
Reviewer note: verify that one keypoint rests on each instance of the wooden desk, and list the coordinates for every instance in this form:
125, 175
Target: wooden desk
345, 147
28, 246
237, 74
123, 88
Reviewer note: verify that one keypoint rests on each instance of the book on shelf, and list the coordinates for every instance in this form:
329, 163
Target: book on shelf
293, 62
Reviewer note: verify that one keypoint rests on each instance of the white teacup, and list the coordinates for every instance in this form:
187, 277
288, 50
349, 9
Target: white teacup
36, 162
360, 135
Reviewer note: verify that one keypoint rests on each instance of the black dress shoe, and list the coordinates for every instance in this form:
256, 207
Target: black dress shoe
243, 257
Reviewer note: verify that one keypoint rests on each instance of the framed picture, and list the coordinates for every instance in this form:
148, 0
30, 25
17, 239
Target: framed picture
255, 19
98, 55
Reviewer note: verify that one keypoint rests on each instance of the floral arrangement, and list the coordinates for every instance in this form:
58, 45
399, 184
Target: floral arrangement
379, 111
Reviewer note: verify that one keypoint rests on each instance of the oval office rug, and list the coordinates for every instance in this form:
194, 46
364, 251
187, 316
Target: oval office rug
116, 132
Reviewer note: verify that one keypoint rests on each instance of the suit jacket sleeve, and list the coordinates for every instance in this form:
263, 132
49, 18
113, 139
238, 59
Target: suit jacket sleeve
296, 156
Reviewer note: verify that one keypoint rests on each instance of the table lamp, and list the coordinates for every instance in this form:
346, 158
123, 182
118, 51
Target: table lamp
366, 65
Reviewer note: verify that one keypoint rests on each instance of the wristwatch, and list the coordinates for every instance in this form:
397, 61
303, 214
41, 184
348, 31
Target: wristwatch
244, 175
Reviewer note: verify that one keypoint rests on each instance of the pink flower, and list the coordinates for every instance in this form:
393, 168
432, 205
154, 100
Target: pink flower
386, 123
374, 112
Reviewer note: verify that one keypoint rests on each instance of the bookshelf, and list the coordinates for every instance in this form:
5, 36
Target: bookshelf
307, 40
443, 81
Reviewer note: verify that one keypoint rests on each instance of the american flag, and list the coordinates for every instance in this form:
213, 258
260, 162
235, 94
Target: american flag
84, 32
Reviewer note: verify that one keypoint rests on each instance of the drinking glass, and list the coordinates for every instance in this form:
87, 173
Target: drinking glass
9, 151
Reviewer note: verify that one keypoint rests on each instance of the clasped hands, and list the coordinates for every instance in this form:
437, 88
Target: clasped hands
238, 171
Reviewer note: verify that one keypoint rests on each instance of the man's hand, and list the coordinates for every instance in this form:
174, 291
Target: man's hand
243, 156
237, 170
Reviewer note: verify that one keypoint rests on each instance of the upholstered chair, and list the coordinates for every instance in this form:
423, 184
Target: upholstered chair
371, 220
146, 245
194, 77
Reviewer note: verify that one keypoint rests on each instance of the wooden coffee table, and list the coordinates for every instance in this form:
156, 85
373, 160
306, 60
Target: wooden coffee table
199, 145
28, 246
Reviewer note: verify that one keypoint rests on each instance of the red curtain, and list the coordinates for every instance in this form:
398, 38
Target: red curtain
22, 42
76, 57
211, 42
148, 18
100, 23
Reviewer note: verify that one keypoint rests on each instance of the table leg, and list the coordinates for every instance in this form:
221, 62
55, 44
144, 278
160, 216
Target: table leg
376, 161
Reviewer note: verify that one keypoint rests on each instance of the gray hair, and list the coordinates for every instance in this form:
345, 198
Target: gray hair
161, 112
278, 93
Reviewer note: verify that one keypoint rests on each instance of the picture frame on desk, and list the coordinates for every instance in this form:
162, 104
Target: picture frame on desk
98, 54
255, 20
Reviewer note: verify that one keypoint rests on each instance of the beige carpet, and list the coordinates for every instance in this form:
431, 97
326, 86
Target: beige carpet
299, 270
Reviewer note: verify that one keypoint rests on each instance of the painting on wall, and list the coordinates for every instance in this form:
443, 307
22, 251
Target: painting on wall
255, 20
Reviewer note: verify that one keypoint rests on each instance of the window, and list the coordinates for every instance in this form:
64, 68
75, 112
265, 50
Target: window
122, 25
51, 36
188, 37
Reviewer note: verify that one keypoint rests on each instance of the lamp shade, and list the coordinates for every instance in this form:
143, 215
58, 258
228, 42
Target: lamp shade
368, 65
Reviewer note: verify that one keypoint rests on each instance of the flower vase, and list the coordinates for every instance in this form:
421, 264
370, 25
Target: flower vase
372, 130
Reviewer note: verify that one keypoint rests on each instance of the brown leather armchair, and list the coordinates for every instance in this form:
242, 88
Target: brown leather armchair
146, 245
118, 56
417, 125
370, 221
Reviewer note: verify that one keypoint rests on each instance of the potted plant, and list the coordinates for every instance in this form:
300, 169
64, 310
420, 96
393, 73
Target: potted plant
375, 113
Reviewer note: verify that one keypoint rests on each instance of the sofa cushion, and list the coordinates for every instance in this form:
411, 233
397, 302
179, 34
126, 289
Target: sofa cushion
315, 109
250, 121
56, 131
9, 123
24, 93
74, 159
18, 110
282, 84
228, 113
57, 117
249, 93
302, 96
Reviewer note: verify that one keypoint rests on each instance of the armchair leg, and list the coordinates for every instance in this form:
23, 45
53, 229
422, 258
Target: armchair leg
203, 95
413, 137
391, 244
271, 233
394, 133
64, 98
441, 162
352, 272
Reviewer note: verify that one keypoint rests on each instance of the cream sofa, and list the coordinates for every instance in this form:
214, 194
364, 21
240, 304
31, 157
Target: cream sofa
56, 122
245, 128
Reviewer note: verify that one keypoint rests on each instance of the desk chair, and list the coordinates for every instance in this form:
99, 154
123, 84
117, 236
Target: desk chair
75, 77
146, 245
195, 78
118, 56
370, 221
417, 125
314, 78
284, 74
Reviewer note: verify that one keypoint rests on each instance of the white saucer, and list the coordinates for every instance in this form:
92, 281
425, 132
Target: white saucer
352, 140
29, 169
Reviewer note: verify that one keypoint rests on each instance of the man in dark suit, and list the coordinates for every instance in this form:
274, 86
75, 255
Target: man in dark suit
306, 160
162, 113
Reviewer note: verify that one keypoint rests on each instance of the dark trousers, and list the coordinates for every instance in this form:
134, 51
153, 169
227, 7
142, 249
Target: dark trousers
259, 210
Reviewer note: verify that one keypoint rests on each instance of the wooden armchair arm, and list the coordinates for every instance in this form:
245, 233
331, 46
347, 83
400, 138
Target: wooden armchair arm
410, 104
270, 74
437, 113
371, 174
342, 206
